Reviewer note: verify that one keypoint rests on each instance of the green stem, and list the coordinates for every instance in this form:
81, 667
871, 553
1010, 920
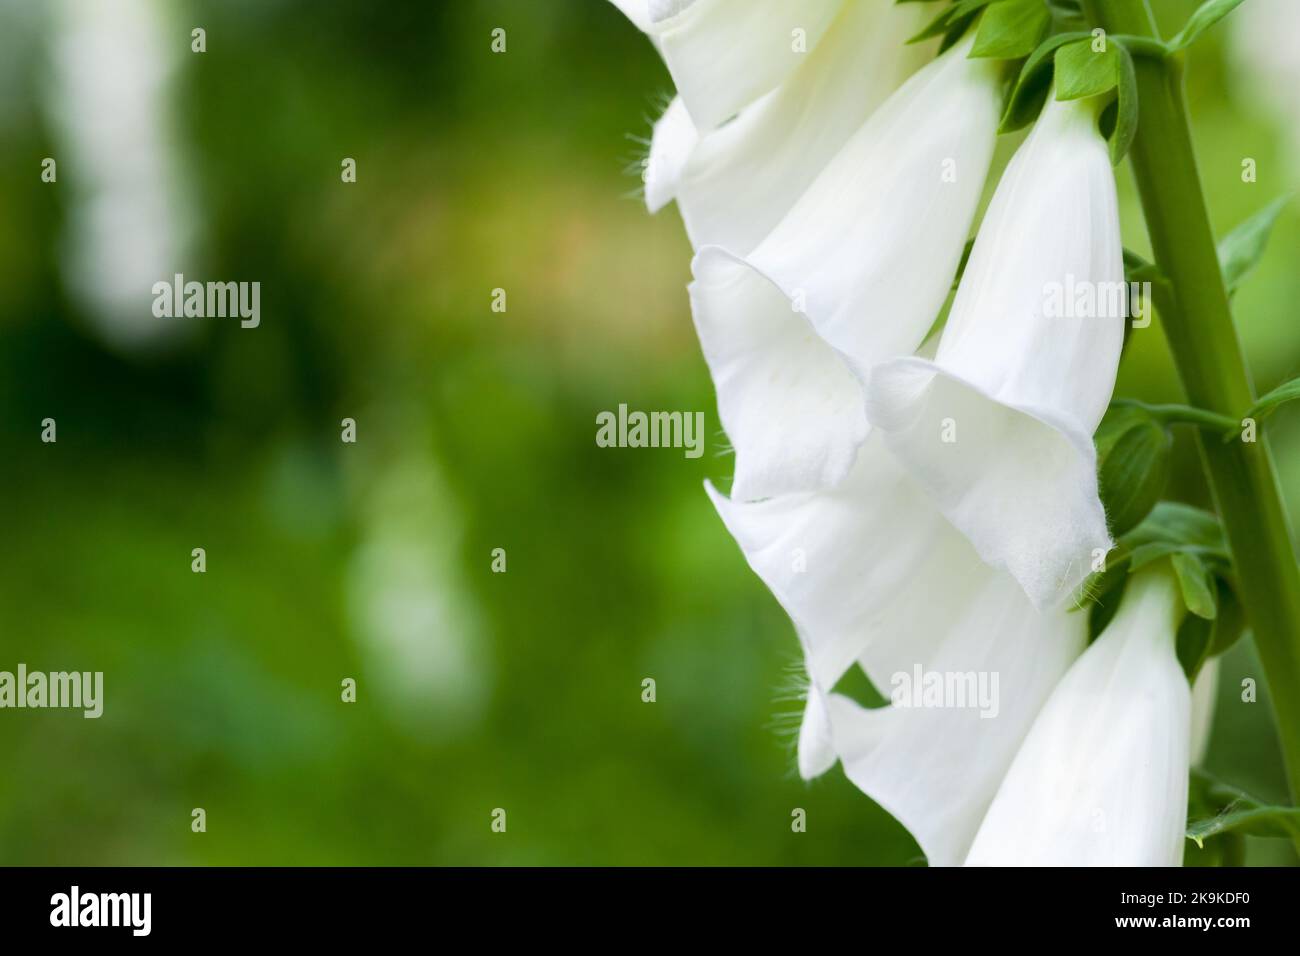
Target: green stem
1212, 368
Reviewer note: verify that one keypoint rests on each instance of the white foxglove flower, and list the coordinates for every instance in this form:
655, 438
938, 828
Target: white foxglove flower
998, 427
724, 54
736, 183
936, 765
853, 275
1102, 777
857, 567
872, 575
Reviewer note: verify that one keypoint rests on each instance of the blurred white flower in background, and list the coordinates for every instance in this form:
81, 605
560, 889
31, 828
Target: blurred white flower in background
419, 634
1264, 46
129, 219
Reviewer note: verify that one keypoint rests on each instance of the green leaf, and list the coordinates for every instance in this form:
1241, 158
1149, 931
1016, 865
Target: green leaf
1242, 248
1126, 117
1196, 584
1028, 93
1286, 392
1011, 29
1133, 452
1208, 14
1260, 821
1081, 71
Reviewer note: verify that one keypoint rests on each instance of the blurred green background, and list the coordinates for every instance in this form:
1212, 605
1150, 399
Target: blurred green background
325, 560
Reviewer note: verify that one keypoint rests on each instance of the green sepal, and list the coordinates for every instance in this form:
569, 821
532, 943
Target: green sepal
948, 17
1133, 452
1126, 108
1029, 92
1192, 644
1082, 71
1011, 29
1221, 809
1195, 582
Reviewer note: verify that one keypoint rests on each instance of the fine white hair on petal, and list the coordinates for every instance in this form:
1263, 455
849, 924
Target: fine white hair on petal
671, 146
853, 275
1101, 779
998, 426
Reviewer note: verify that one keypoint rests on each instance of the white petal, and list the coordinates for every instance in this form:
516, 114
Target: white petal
854, 274
859, 569
816, 752
664, 9
1020, 485
791, 405
1014, 339
1101, 779
936, 768
724, 54
744, 176
671, 145
1204, 690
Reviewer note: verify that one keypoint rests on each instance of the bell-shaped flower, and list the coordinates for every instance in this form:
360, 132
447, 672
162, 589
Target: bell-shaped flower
857, 567
873, 576
854, 274
734, 184
998, 427
1101, 779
